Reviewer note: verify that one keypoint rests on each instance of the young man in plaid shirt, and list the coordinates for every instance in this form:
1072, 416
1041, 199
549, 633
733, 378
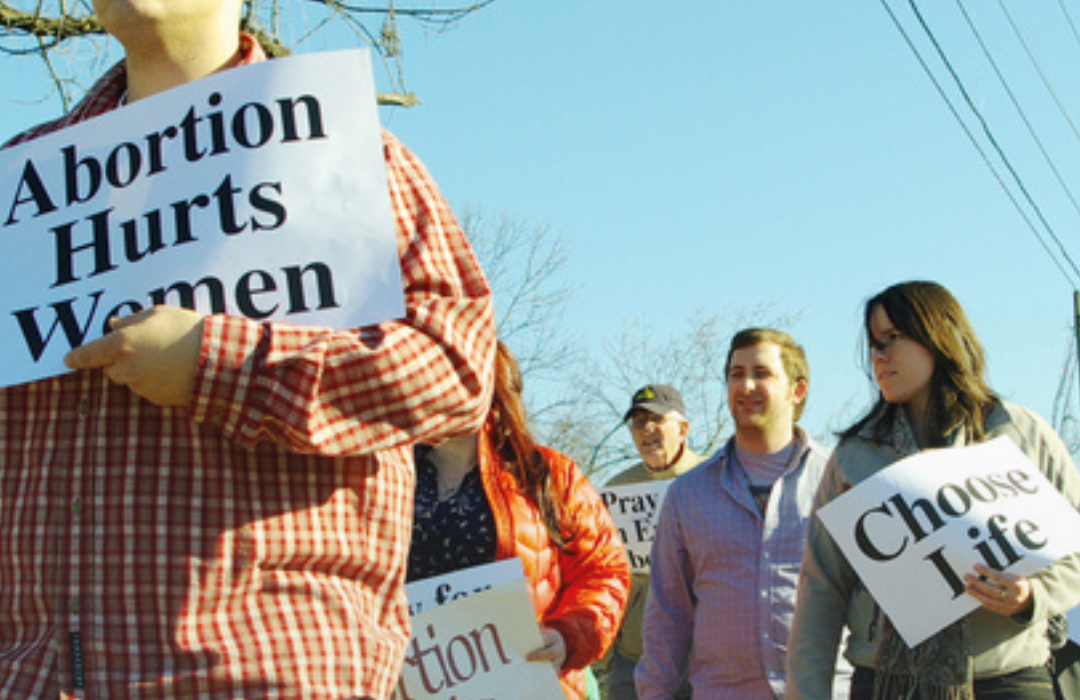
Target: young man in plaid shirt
210, 507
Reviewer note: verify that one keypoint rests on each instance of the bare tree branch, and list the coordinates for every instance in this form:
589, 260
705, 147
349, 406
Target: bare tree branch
37, 28
691, 359
440, 15
56, 29
525, 264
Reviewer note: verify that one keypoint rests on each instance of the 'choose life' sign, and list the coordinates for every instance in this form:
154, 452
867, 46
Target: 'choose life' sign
913, 531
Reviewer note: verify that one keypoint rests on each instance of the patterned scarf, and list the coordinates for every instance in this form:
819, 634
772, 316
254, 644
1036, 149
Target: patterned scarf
939, 668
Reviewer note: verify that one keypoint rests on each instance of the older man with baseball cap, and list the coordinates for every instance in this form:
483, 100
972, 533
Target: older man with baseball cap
658, 425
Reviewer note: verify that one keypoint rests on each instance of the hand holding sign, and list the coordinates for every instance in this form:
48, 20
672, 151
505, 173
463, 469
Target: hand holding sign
258, 192
477, 645
554, 649
155, 353
915, 532
999, 592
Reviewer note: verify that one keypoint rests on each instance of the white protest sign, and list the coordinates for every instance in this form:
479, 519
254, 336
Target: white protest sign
259, 191
430, 593
913, 531
635, 510
474, 648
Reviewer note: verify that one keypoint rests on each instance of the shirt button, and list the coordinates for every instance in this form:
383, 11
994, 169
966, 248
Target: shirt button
76, 507
84, 408
73, 606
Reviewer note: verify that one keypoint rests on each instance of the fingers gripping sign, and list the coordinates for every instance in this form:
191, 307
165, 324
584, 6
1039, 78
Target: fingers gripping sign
154, 352
999, 592
554, 649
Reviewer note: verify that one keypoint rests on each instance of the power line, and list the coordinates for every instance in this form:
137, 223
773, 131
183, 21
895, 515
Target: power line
1038, 68
1068, 20
1019, 108
1071, 280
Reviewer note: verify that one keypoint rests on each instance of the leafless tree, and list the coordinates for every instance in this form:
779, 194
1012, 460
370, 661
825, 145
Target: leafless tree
69, 40
525, 264
590, 425
576, 400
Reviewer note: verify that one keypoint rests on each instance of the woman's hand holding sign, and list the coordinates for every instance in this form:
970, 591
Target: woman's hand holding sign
999, 592
554, 649
154, 352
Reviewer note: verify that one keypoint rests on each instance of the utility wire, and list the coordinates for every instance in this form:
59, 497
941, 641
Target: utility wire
1068, 20
1038, 68
1071, 280
1019, 108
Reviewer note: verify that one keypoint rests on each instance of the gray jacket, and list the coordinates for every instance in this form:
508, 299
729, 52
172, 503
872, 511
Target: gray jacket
832, 596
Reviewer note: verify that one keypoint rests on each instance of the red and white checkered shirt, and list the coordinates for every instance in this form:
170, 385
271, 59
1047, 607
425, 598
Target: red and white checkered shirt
253, 544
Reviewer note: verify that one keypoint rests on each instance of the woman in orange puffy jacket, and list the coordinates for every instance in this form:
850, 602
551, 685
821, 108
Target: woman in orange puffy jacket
497, 495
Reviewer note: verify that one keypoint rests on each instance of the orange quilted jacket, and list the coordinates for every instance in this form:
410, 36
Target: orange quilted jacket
582, 592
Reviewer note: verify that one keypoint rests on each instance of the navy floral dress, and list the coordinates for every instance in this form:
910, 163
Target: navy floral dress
453, 533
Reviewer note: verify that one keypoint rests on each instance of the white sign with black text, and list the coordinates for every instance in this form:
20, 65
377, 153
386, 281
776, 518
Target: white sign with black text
473, 647
914, 530
635, 510
259, 191
429, 593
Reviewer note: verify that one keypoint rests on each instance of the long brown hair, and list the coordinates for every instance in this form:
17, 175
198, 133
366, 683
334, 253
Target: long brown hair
960, 397
509, 425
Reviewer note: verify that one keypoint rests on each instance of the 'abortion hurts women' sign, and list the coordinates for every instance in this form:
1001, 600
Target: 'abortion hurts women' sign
914, 530
259, 191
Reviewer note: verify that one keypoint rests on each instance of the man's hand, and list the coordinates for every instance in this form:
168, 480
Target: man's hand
155, 353
554, 649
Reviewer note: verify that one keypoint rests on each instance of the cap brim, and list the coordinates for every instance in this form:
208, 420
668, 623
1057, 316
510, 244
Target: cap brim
658, 409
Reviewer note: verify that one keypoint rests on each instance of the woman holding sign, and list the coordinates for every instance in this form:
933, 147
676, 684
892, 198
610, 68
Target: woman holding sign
930, 371
498, 495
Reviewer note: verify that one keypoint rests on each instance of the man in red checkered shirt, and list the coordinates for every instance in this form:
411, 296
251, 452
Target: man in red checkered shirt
210, 507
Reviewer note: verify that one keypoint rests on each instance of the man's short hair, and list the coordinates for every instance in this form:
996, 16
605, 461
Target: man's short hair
792, 356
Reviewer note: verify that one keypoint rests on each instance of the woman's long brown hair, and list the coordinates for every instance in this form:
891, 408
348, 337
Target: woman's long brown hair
960, 397
509, 425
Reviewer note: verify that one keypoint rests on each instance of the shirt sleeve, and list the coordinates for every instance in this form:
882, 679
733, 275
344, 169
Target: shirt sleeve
347, 392
821, 610
669, 610
595, 574
1055, 589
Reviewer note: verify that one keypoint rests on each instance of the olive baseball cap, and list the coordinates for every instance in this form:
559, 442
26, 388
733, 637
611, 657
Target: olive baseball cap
656, 398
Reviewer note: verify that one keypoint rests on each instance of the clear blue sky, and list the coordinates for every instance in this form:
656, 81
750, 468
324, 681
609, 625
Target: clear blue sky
720, 155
